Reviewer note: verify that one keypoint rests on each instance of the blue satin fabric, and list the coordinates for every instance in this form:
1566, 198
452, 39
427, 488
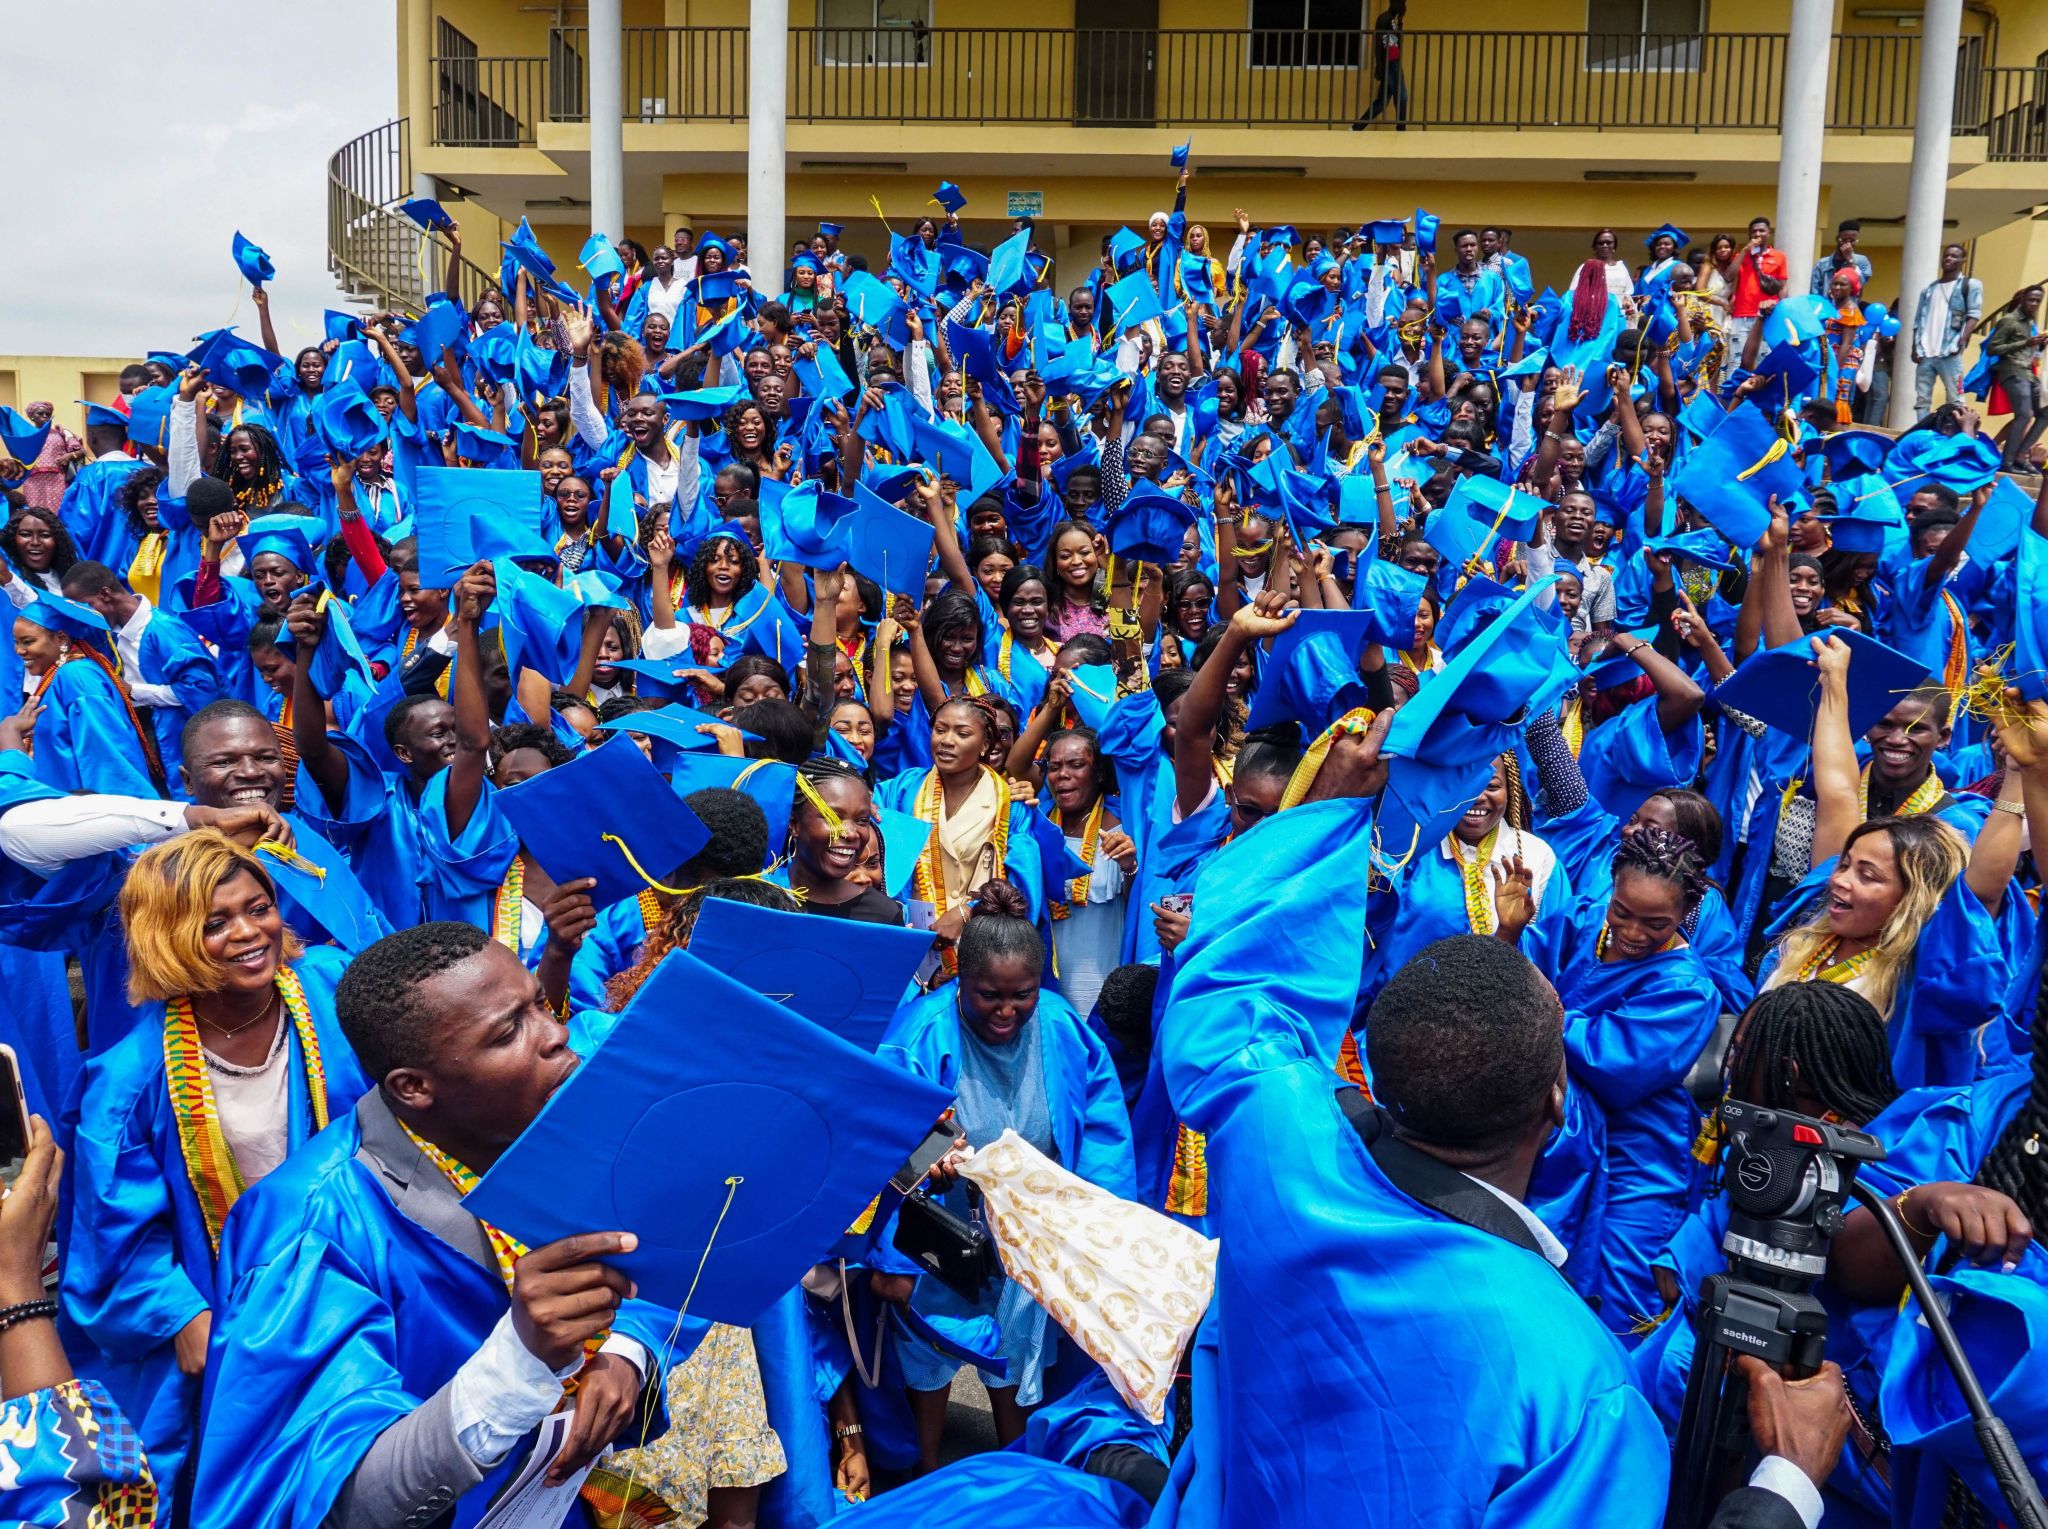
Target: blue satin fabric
1632, 1030
1364, 1358
338, 1317
137, 1262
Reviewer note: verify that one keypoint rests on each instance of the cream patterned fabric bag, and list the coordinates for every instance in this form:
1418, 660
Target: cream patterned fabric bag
1127, 1283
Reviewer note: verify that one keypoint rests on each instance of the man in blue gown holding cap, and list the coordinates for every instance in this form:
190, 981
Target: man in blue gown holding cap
382, 1355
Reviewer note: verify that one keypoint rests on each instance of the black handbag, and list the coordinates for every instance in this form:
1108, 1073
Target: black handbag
955, 1250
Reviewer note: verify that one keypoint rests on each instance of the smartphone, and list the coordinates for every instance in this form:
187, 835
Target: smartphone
13, 1118
1178, 902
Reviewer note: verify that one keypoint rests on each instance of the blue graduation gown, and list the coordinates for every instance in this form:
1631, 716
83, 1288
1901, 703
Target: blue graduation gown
610, 948
1632, 1030
1130, 736
339, 1316
170, 653
91, 508
377, 826
1430, 905
1320, 1398
1629, 758
2001, 1319
137, 1263
84, 738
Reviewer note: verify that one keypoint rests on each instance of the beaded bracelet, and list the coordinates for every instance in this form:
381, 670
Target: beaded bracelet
28, 1311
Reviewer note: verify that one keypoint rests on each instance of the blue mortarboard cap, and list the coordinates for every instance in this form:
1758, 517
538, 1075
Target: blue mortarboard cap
1797, 320
771, 783
1731, 476
291, 537
659, 678
462, 515
539, 371
1703, 547
705, 403
802, 525
733, 1137
54, 613
1387, 230
963, 264
102, 414
843, 975
2008, 511
427, 212
831, 230
607, 814
349, 422
1855, 450
953, 452
1669, 231
1481, 514
1477, 601
1425, 230
444, 326
1133, 300
1125, 246
673, 730
2030, 631
543, 623
599, 259
1863, 524
904, 839
1701, 415
1179, 155
1312, 673
1006, 267
322, 903
709, 240
233, 362
975, 352
1960, 463
149, 417
1442, 743
886, 545
1780, 687
254, 265
337, 325
716, 286
1388, 596
474, 443
18, 438
1617, 667
1789, 362
950, 196
871, 301
1150, 524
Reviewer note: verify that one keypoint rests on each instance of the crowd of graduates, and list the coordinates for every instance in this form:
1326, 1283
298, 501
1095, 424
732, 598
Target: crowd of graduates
1281, 723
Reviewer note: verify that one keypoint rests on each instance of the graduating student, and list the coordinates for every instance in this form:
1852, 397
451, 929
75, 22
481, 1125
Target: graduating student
1021, 1059
88, 735
381, 1353
1312, 1377
234, 1061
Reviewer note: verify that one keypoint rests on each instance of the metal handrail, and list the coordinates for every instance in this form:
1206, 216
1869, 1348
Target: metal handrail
1190, 77
376, 252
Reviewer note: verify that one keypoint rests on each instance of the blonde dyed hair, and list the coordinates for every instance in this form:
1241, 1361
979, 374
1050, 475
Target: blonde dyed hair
165, 903
1930, 855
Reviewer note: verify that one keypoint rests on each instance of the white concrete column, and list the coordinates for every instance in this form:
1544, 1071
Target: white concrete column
607, 126
767, 101
1803, 124
1941, 30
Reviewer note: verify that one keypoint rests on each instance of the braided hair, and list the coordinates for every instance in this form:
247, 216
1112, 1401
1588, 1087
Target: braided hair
1665, 856
257, 494
1816, 1038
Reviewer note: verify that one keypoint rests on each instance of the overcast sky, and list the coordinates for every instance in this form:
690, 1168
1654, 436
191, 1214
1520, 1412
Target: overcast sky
145, 132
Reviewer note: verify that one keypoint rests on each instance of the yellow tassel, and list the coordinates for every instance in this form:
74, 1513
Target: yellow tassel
876, 203
835, 825
1778, 449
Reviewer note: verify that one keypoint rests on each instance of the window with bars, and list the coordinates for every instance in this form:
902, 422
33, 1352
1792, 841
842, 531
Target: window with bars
874, 31
1313, 34
1644, 35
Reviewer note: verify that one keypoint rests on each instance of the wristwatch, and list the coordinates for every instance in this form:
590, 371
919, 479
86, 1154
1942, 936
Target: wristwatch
846, 1430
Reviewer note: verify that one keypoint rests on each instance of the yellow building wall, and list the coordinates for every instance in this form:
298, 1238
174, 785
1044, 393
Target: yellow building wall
60, 380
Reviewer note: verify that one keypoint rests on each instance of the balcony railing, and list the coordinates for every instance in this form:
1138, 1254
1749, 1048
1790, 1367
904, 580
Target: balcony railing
374, 250
1189, 78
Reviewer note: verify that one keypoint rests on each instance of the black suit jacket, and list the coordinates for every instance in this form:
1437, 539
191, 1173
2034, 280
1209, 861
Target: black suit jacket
1755, 1508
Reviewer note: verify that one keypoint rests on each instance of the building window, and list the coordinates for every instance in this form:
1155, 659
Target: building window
468, 114
1313, 34
874, 31
1647, 35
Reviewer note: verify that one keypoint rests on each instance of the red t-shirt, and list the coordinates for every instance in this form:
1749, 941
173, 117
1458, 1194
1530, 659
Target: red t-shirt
1749, 292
